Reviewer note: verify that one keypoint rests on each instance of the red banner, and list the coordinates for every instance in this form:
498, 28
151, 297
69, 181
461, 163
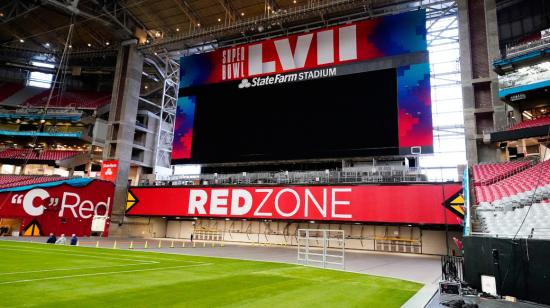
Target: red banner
414, 204
108, 170
62, 209
365, 40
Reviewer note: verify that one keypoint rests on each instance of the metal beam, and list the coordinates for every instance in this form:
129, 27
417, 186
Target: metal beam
230, 12
189, 12
118, 14
15, 9
217, 33
114, 15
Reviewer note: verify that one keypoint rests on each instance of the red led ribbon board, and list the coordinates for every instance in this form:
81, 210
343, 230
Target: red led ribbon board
62, 209
412, 204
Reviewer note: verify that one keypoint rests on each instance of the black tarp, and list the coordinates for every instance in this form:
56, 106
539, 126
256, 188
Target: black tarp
523, 270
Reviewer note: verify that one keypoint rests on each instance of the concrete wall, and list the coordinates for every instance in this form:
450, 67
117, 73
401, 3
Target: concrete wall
358, 236
141, 227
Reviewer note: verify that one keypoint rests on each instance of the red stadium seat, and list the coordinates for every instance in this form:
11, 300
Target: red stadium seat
46, 155
532, 123
485, 174
71, 99
526, 180
7, 181
8, 89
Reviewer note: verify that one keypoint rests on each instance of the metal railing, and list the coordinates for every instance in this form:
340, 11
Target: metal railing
452, 268
524, 48
535, 233
372, 175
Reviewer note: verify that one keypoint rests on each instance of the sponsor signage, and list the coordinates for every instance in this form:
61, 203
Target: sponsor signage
518, 97
418, 204
322, 53
59, 209
109, 170
284, 78
360, 41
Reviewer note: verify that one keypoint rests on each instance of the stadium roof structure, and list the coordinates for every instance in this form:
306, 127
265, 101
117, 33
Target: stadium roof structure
175, 25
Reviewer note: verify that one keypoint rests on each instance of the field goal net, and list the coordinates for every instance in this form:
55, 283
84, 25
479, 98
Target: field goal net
321, 247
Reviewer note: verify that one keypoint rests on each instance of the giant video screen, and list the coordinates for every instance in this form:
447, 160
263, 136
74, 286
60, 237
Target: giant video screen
350, 115
355, 90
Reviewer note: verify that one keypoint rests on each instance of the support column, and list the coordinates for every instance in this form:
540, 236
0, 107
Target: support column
483, 110
121, 125
88, 168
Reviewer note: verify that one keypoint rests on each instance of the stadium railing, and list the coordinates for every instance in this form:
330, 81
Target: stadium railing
373, 175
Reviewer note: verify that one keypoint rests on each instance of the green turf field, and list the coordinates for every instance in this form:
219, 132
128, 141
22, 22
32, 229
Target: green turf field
64, 276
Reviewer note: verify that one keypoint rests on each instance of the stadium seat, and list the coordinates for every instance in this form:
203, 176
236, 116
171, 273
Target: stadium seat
489, 173
46, 155
71, 99
507, 223
518, 189
532, 123
7, 181
7, 89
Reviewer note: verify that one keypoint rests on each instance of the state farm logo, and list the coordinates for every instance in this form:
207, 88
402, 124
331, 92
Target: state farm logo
35, 201
285, 78
244, 84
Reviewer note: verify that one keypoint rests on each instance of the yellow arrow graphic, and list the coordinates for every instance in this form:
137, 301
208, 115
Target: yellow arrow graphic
130, 201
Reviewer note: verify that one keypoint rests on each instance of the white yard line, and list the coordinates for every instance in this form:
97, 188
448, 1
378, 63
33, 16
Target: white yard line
71, 251
70, 269
103, 273
65, 252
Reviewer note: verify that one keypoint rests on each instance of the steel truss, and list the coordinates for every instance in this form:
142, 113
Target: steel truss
167, 116
319, 13
113, 14
448, 128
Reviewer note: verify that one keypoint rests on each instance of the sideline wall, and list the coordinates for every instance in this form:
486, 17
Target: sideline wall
389, 238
